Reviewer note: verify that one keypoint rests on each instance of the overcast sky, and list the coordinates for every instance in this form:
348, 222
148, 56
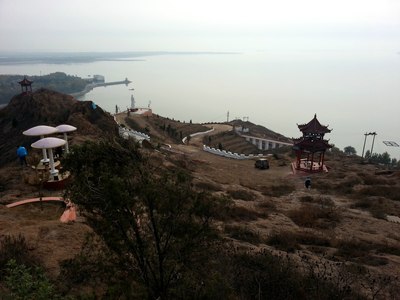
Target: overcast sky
206, 25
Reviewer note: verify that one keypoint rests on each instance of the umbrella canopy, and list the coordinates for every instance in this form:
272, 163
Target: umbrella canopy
48, 143
40, 130
65, 128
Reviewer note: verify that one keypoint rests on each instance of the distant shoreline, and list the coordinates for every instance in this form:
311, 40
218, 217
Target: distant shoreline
24, 58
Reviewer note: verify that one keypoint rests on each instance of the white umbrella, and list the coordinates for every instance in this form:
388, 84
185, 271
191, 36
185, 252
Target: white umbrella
49, 143
41, 131
64, 129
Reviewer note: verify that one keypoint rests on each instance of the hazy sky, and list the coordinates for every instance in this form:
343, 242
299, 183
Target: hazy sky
226, 25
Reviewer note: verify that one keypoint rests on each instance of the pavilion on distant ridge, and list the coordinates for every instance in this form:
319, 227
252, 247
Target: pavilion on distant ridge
26, 84
310, 148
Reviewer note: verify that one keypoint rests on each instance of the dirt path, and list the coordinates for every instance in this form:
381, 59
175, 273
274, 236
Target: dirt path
218, 128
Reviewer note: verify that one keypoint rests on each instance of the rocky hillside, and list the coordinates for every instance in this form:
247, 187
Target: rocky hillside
46, 107
260, 131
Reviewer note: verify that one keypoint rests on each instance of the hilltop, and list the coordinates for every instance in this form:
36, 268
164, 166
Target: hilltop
46, 107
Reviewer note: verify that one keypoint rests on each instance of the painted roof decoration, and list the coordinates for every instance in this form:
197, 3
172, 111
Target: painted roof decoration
314, 126
25, 81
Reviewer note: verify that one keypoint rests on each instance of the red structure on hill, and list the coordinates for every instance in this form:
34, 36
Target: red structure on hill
27, 84
310, 148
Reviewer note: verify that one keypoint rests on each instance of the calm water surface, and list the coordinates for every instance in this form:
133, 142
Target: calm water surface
353, 93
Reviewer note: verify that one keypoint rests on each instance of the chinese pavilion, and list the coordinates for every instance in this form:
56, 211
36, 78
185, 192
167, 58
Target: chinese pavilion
310, 148
26, 84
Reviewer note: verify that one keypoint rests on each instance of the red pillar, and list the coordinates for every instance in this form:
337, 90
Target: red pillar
298, 154
312, 161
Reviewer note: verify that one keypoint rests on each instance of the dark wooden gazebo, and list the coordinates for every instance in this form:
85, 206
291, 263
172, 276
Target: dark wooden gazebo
26, 84
310, 148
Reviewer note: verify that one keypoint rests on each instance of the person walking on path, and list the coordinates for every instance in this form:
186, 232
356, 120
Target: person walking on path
22, 153
307, 183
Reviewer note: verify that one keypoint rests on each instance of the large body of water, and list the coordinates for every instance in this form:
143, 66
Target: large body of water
353, 93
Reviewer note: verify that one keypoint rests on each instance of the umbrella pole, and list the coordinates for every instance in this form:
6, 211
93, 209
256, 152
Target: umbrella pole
53, 171
66, 142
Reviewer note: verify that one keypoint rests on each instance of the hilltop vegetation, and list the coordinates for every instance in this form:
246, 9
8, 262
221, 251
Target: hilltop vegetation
176, 222
57, 81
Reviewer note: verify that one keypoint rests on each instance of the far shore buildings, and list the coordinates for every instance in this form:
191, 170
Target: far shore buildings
310, 148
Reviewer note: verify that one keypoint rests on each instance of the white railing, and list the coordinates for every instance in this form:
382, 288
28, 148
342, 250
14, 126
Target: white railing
126, 132
229, 154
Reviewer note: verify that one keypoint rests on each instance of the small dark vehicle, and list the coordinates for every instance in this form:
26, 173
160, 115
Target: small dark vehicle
262, 164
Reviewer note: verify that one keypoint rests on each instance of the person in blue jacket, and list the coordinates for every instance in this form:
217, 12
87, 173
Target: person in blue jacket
22, 153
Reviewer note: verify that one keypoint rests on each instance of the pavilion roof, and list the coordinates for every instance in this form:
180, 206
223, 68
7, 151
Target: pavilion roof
314, 126
312, 145
25, 81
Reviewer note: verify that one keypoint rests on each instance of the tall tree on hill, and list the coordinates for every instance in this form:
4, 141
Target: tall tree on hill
349, 150
152, 219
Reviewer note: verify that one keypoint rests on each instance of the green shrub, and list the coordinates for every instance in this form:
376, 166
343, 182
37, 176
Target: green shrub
28, 282
16, 248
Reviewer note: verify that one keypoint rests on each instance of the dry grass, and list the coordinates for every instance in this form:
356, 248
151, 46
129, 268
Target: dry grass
313, 216
290, 241
378, 207
241, 213
364, 252
390, 192
243, 233
278, 190
208, 186
372, 179
242, 195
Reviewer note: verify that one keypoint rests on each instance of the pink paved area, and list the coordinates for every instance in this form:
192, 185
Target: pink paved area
69, 214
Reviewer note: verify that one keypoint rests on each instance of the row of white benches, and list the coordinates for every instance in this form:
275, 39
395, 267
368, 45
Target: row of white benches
229, 154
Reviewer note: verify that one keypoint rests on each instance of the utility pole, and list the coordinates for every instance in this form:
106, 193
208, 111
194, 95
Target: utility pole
227, 117
365, 139
373, 140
